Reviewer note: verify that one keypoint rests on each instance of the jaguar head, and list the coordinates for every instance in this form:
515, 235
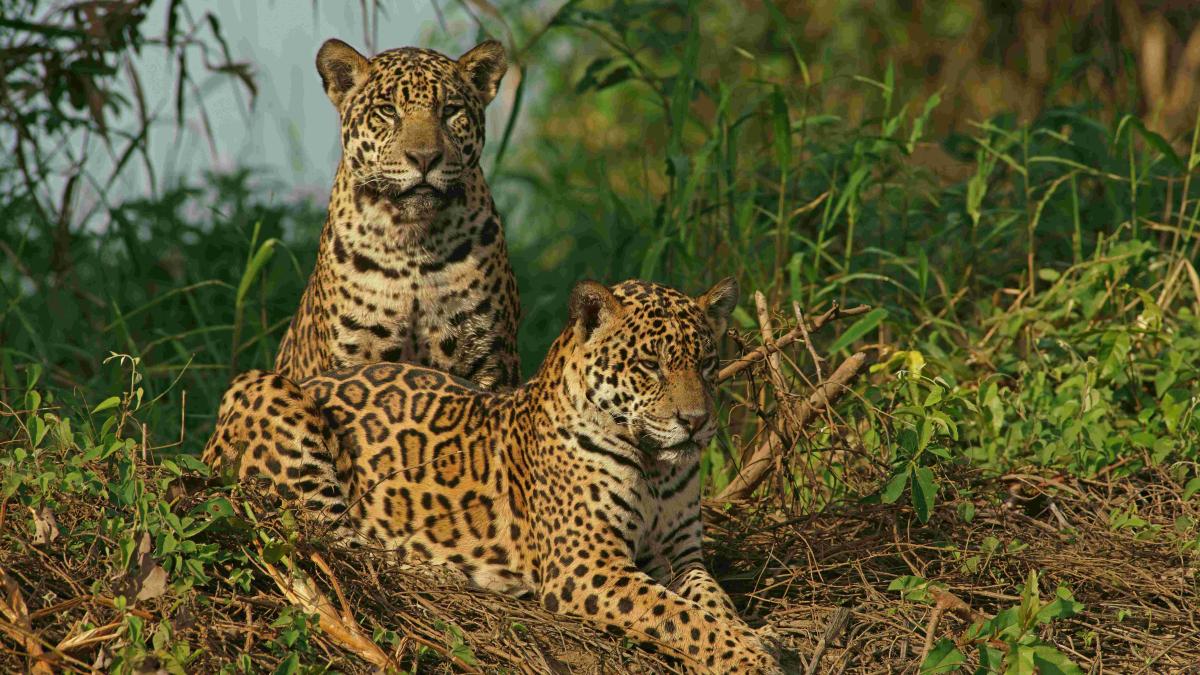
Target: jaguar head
412, 120
645, 360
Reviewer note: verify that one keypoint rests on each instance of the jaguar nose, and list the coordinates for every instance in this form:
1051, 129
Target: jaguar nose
693, 421
424, 158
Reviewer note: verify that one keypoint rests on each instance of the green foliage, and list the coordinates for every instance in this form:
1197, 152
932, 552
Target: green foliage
1010, 642
92, 492
292, 643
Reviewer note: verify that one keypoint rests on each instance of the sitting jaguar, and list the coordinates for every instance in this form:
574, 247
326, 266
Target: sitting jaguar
581, 488
412, 264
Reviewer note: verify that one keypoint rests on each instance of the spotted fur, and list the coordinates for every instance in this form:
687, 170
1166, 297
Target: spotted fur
412, 264
580, 488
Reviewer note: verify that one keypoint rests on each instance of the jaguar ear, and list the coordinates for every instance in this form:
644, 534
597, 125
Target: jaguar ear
342, 69
484, 67
718, 304
591, 306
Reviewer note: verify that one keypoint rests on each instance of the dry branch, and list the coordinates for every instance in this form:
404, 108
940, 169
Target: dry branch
760, 461
300, 590
946, 601
738, 365
824, 394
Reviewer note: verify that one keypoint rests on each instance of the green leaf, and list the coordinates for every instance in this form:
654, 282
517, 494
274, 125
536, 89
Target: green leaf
261, 256
171, 467
192, 463
1063, 606
1048, 274
615, 77
943, 658
1022, 662
1158, 143
913, 588
590, 74
923, 492
1050, 661
110, 402
906, 582
289, 665
895, 486
463, 653
966, 511
652, 257
274, 551
925, 434
859, 328
1192, 487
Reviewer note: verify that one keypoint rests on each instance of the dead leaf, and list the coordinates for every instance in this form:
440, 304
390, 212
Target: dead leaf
150, 581
154, 585
45, 526
19, 627
103, 633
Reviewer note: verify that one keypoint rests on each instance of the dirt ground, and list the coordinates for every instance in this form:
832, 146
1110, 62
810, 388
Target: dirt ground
821, 580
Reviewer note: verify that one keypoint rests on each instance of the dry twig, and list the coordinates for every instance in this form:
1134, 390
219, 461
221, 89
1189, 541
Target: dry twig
18, 626
300, 590
743, 362
756, 468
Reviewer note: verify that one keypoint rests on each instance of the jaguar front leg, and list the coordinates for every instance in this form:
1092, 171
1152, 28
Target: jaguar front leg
695, 583
611, 590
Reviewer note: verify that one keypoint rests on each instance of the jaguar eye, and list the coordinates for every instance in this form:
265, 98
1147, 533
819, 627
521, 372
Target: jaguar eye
450, 110
388, 111
652, 366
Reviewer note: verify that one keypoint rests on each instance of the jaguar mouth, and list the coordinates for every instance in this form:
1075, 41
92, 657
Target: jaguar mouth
683, 448
421, 190
651, 446
400, 193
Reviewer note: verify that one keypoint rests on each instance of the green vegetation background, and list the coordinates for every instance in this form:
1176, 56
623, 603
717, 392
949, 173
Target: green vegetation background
1009, 213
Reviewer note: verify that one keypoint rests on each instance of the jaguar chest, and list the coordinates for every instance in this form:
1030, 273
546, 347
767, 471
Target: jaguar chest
414, 315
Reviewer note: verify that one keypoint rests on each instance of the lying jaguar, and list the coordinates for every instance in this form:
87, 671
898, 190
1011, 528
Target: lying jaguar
581, 487
412, 264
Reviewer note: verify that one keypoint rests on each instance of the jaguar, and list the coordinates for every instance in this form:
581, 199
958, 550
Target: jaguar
580, 488
412, 263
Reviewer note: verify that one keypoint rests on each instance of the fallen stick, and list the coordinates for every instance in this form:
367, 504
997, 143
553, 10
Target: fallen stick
833, 630
945, 601
767, 331
824, 394
300, 590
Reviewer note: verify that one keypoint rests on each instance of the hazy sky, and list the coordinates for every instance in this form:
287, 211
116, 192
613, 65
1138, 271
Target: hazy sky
291, 132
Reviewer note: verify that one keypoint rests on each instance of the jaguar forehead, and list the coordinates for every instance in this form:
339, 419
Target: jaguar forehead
659, 311
414, 74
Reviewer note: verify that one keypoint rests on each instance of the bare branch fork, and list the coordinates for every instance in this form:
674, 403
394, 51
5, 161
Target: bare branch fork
797, 415
797, 333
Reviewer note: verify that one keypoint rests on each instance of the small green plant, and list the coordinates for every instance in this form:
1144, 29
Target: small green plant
459, 648
1008, 643
922, 415
293, 642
